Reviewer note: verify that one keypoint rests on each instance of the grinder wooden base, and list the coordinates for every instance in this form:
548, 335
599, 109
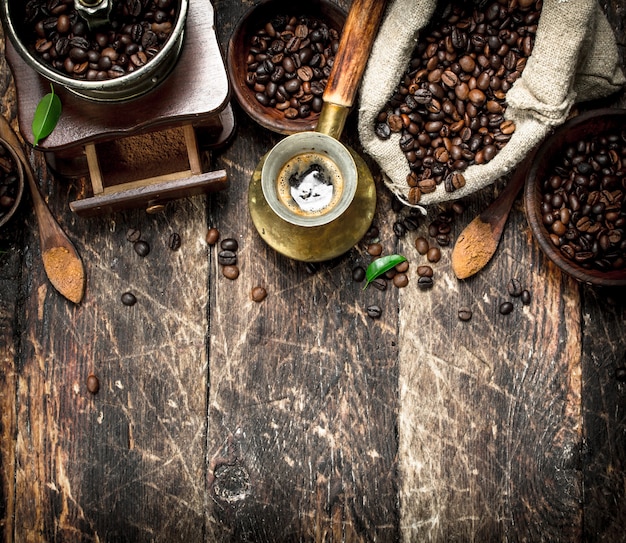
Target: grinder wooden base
114, 143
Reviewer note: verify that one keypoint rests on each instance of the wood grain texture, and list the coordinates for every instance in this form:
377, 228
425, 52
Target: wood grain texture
299, 419
489, 420
126, 464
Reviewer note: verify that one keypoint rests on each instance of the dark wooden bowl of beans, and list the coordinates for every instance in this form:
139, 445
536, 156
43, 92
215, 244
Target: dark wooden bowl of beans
11, 182
575, 197
279, 59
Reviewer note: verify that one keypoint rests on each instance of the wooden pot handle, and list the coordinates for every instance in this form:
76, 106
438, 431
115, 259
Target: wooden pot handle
356, 42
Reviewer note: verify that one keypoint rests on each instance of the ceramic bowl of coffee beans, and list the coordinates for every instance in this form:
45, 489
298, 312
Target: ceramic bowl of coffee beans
575, 197
279, 58
11, 182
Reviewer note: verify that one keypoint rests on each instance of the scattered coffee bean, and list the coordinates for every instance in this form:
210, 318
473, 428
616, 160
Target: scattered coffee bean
425, 282
374, 311
465, 313
227, 258
375, 249
229, 244
93, 384
400, 280
379, 283
424, 271
174, 241
212, 236
133, 235
258, 294
514, 288
403, 267
433, 254
128, 298
358, 274
422, 245
505, 308
142, 248
230, 272
525, 296
620, 374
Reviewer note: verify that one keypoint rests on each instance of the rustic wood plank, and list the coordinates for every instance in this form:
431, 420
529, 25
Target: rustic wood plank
489, 420
604, 350
302, 399
126, 464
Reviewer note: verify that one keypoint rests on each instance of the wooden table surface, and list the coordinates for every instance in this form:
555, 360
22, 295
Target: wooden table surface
300, 418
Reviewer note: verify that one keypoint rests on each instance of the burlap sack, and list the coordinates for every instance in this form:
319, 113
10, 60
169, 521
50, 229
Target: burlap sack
574, 59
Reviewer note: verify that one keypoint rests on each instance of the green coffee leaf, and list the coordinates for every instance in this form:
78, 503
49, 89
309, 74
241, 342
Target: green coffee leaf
380, 266
46, 116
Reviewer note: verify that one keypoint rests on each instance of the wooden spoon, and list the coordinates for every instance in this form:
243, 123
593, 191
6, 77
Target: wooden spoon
61, 261
478, 242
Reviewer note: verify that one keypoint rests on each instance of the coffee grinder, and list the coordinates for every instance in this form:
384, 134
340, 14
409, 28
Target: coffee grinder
143, 142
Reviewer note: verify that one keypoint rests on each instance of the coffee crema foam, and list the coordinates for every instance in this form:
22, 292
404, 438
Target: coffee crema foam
310, 184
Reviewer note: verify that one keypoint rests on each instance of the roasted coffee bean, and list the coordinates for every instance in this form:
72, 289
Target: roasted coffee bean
403, 267
93, 384
465, 313
375, 249
227, 258
174, 242
230, 272
400, 280
454, 88
229, 244
399, 229
583, 201
374, 311
258, 294
425, 282
505, 308
620, 374
142, 248
379, 283
212, 236
433, 254
514, 287
525, 296
295, 58
422, 245
138, 32
358, 274
133, 235
424, 271
128, 298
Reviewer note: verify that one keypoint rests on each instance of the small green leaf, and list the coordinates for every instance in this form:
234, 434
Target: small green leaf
380, 266
46, 116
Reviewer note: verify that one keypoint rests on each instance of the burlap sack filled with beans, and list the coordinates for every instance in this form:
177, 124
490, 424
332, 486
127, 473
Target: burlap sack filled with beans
573, 58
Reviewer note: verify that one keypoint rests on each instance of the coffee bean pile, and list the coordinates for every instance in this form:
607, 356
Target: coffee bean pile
449, 105
137, 32
289, 62
227, 258
9, 182
583, 204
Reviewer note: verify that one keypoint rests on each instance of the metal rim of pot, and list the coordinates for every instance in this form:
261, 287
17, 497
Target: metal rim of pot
121, 88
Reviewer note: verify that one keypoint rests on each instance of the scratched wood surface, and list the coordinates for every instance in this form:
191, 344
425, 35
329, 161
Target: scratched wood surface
300, 419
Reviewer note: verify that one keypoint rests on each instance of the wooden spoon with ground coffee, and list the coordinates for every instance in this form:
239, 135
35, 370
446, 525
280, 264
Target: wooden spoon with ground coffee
478, 242
61, 261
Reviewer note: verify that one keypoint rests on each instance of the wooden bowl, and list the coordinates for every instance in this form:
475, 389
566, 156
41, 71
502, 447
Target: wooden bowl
238, 49
9, 153
594, 123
